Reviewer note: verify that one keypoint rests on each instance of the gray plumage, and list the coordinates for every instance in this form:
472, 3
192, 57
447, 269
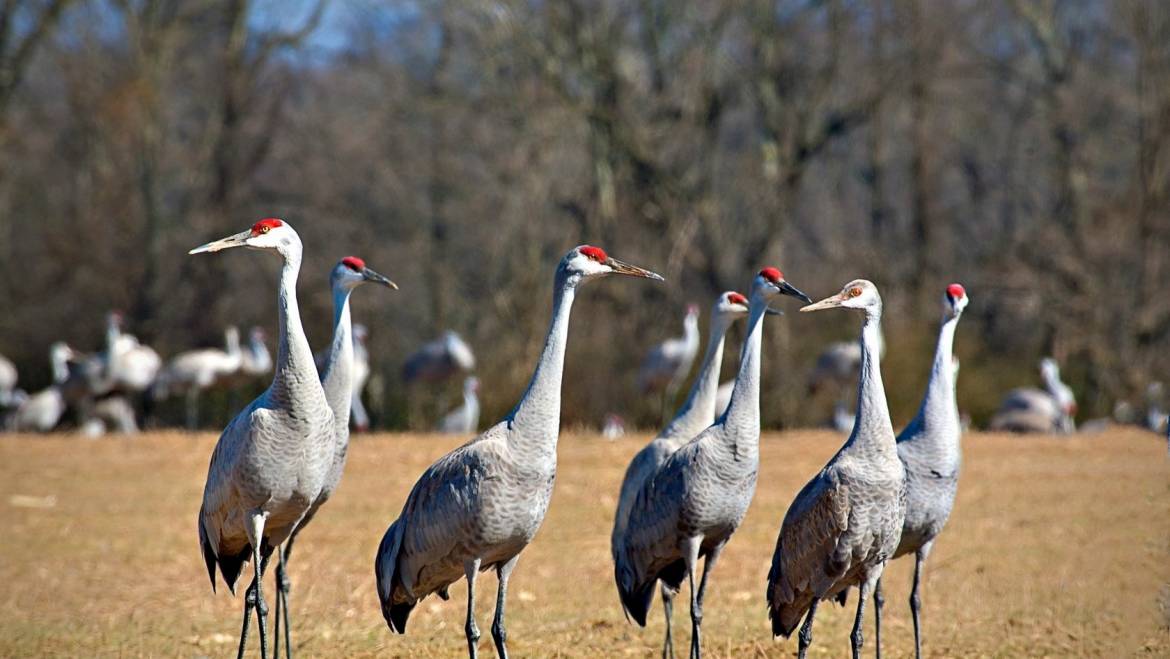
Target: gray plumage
690, 506
477, 507
929, 448
270, 463
439, 360
337, 381
846, 522
696, 414
666, 365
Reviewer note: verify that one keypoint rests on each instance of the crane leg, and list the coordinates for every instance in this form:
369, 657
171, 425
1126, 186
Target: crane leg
499, 634
691, 557
867, 587
878, 602
915, 601
192, 407
805, 637
471, 570
668, 611
283, 585
255, 537
708, 566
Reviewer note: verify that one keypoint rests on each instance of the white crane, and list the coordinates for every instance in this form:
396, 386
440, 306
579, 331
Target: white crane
131, 366
42, 411
337, 379
271, 461
477, 507
696, 414
846, 522
930, 450
690, 506
196, 371
8, 377
1034, 410
465, 418
439, 360
666, 365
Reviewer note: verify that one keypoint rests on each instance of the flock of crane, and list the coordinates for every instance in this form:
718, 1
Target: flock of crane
684, 494
881, 496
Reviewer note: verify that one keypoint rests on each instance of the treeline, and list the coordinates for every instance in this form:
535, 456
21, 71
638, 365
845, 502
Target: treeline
1017, 146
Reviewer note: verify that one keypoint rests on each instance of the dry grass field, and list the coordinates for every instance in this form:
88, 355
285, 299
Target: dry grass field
1057, 548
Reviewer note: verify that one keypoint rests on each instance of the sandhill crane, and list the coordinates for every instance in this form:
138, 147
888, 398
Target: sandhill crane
838, 364
667, 364
930, 451
846, 522
690, 506
613, 427
42, 411
256, 360
196, 371
698, 412
465, 418
8, 378
439, 360
478, 507
723, 397
337, 381
1036, 410
271, 461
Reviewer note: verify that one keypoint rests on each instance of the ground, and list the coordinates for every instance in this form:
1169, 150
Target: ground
1058, 547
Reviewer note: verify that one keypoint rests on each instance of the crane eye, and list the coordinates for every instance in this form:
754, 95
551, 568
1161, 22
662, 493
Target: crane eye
265, 229
854, 292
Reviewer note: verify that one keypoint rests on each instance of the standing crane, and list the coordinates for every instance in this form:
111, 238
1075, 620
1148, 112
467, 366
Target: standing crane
479, 506
439, 360
337, 381
1027, 409
256, 360
271, 461
131, 366
931, 453
41, 411
361, 374
465, 418
196, 371
846, 522
698, 412
666, 365
690, 506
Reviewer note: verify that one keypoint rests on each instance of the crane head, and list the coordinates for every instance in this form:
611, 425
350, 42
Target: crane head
955, 300
270, 233
857, 294
351, 272
586, 261
770, 282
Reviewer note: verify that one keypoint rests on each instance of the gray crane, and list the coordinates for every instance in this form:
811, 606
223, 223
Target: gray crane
846, 522
698, 412
41, 411
361, 374
479, 506
1049, 410
692, 504
438, 360
931, 453
465, 418
195, 371
666, 365
271, 461
337, 381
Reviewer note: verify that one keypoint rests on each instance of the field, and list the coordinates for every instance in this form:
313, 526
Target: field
1057, 548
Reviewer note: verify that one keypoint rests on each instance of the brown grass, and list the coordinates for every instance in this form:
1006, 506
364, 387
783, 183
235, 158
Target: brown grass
1057, 548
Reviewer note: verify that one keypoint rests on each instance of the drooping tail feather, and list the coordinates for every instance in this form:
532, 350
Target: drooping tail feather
229, 566
386, 572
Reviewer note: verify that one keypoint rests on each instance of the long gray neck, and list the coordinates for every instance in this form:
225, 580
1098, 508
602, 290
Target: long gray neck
939, 413
295, 371
537, 417
698, 411
338, 376
743, 412
872, 430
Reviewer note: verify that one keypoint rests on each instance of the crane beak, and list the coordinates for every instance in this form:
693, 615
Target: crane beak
631, 270
376, 278
237, 240
789, 289
831, 302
